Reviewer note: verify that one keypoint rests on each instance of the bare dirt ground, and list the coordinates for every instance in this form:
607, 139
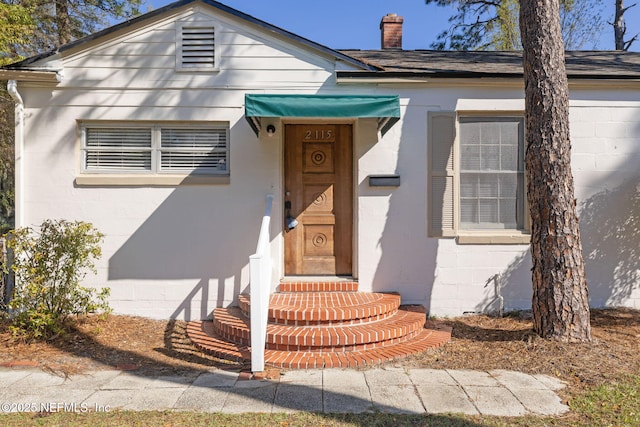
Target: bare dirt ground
478, 342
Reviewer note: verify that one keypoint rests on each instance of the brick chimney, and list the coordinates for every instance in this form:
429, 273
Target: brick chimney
391, 31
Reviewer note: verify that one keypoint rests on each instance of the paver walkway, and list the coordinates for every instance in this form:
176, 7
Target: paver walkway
389, 389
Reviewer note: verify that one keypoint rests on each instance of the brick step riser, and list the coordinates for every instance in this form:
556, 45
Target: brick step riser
230, 333
325, 316
334, 323
342, 348
203, 337
339, 286
314, 338
307, 360
239, 338
288, 319
337, 337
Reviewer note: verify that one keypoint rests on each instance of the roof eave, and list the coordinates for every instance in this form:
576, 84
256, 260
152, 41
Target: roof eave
40, 76
224, 8
439, 76
416, 77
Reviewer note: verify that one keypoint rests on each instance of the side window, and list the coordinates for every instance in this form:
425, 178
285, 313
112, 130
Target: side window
194, 150
491, 173
155, 149
476, 178
119, 149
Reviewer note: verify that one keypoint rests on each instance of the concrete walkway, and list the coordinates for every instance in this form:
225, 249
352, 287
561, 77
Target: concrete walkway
393, 390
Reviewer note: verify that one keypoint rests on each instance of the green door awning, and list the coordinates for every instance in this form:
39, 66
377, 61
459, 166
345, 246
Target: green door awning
386, 108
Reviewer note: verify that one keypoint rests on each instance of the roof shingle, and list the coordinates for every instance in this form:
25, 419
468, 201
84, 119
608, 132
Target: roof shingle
580, 64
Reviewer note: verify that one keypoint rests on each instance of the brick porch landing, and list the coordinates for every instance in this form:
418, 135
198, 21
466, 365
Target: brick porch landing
321, 325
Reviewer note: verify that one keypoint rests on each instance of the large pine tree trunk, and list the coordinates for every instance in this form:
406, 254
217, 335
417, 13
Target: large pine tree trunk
560, 296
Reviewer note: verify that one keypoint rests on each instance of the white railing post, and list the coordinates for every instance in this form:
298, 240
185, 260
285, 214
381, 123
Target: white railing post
260, 271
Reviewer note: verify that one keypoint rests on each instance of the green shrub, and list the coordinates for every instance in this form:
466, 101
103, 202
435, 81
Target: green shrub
49, 264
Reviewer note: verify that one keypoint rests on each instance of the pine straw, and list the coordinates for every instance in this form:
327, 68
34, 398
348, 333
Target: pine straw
122, 342
486, 343
478, 342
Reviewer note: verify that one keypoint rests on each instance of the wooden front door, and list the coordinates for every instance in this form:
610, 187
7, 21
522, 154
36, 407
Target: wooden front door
318, 195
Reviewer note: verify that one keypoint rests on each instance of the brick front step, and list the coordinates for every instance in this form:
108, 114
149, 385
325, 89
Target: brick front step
427, 339
327, 308
232, 325
318, 324
318, 286
204, 337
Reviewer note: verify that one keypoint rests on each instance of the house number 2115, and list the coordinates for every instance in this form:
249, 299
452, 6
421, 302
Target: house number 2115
318, 134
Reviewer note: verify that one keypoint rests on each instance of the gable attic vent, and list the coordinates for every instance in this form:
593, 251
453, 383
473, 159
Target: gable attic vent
197, 48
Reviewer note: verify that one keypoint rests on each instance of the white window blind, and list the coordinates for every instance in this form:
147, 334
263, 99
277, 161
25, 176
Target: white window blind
491, 173
197, 49
126, 149
199, 150
156, 149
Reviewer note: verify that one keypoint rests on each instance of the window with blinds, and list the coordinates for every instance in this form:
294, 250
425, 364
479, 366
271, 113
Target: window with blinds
491, 173
155, 149
119, 149
200, 150
196, 47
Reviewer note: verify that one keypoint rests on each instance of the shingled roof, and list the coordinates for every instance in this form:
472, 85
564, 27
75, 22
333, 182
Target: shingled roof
388, 63
471, 64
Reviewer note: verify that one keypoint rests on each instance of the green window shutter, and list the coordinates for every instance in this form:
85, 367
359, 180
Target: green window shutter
441, 185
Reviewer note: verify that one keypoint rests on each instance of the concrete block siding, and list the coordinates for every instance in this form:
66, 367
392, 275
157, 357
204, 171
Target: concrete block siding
605, 155
181, 251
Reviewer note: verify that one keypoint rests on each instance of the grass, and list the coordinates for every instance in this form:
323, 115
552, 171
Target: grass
166, 419
613, 404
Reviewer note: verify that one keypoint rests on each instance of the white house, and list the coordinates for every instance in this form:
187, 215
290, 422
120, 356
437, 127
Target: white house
402, 169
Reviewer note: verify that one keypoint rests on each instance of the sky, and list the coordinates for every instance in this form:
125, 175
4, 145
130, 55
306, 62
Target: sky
354, 24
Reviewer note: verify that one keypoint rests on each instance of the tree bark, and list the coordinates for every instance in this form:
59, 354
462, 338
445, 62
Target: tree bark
63, 22
560, 296
618, 25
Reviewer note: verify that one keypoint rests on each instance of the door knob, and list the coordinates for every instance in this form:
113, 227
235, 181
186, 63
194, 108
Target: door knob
290, 221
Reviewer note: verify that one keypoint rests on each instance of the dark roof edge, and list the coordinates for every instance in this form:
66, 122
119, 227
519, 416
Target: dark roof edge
421, 75
211, 3
466, 75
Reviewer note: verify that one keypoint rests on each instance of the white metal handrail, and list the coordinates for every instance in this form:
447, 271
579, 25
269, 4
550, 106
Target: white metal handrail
260, 271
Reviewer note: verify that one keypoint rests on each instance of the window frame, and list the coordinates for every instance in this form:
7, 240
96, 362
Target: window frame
519, 173
450, 227
156, 175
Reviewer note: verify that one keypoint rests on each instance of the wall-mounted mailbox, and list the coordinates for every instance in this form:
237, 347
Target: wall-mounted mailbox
384, 180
